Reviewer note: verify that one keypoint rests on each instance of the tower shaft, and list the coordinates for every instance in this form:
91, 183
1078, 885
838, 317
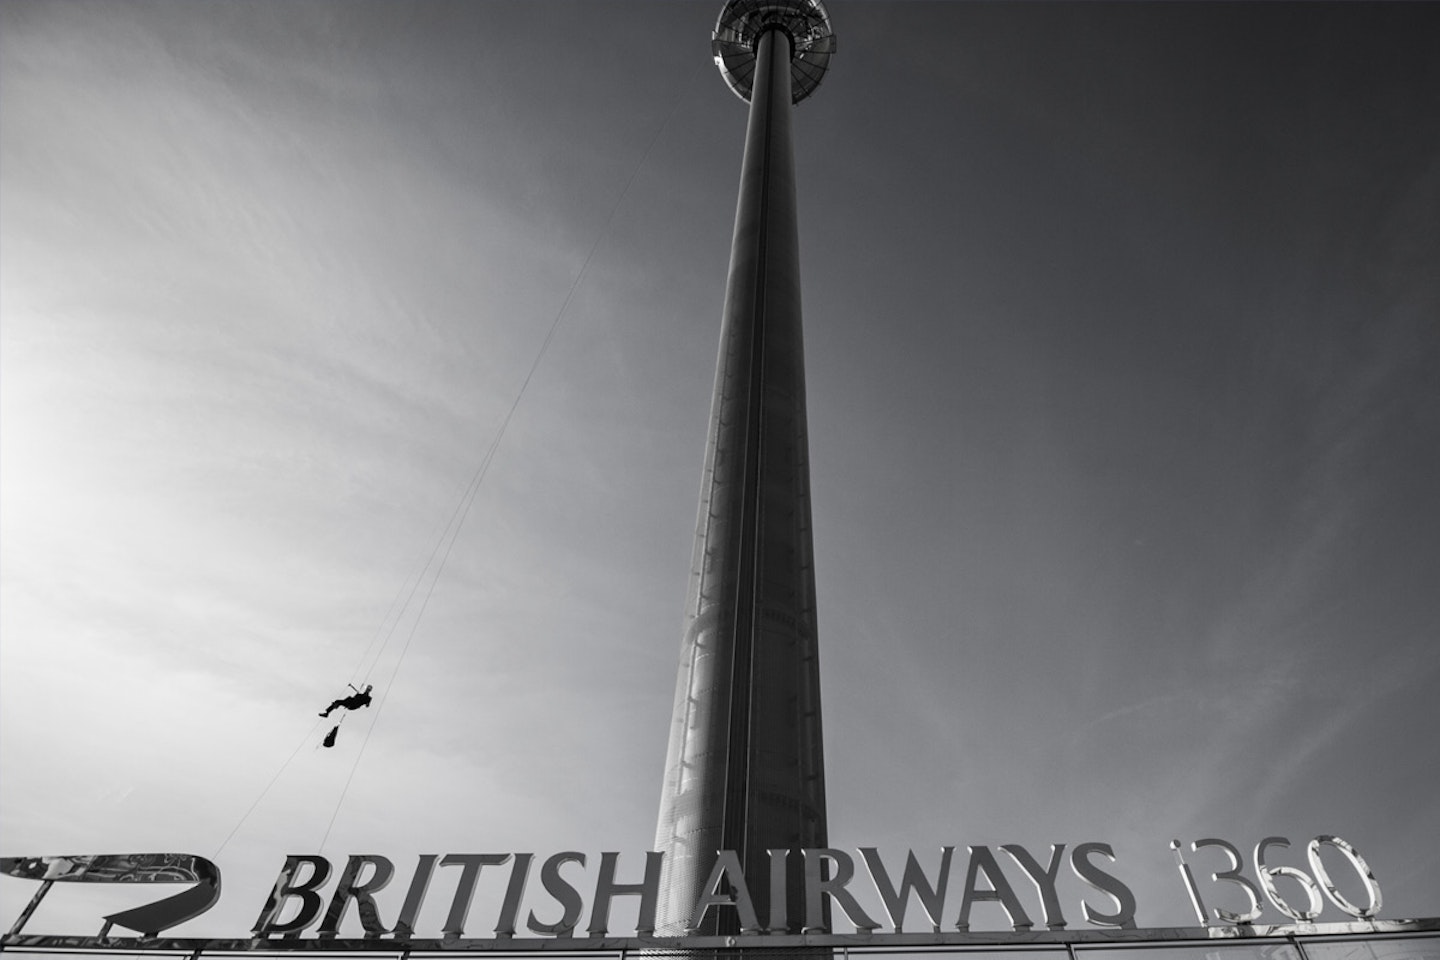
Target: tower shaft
745, 769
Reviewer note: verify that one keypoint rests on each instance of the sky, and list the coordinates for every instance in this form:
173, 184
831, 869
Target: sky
1123, 368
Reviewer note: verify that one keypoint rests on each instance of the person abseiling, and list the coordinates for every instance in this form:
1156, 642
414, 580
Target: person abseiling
358, 699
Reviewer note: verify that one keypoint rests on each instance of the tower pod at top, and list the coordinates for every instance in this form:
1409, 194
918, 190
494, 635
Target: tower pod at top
739, 28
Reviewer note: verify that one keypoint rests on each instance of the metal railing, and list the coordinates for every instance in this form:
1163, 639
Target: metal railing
1365, 940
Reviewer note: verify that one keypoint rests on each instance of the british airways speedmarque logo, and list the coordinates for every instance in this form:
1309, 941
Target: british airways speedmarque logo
149, 919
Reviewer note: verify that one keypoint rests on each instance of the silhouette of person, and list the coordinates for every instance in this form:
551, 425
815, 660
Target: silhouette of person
356, 700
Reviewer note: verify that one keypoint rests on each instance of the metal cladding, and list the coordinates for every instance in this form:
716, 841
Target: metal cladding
745, 768
738, 32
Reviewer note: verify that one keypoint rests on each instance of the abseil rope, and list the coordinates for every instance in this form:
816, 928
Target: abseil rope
451, 530
479, 477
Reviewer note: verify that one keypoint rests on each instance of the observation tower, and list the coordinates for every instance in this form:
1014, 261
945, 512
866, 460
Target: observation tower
745, 769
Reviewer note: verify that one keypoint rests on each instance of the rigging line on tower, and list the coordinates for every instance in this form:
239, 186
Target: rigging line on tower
452, 526
467, 499
273, 780
387, 628
462, 508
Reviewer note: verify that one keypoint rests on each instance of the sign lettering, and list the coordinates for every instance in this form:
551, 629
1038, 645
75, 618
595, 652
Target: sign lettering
1026, 888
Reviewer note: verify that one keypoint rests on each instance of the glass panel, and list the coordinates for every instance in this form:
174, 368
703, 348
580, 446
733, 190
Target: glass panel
1221, 950
1053, 951
1362, 948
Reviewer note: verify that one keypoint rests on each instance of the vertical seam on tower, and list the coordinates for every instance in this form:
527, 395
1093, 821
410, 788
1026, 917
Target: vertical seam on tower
743, 654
